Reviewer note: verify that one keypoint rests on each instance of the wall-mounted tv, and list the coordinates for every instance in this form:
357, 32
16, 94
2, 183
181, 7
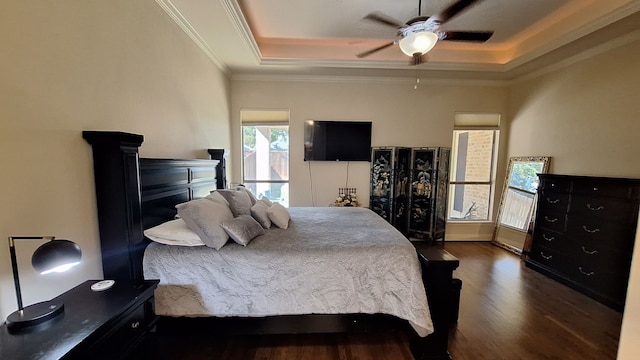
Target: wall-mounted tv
337, 141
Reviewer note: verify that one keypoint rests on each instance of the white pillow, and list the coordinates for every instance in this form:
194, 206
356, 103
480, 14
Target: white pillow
259, 212
279, 215
243, 229
174, 232
204, 217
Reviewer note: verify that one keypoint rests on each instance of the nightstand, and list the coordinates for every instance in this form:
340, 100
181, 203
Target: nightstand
106, 324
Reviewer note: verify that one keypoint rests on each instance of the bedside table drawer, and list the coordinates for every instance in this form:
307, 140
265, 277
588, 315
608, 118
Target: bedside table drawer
124, 335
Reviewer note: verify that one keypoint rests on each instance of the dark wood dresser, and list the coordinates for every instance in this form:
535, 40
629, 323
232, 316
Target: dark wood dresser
584, 234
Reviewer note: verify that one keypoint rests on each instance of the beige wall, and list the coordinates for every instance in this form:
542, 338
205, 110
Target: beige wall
100, 65
401, 116
587, 118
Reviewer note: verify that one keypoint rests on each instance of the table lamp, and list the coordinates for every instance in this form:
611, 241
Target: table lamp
52, 256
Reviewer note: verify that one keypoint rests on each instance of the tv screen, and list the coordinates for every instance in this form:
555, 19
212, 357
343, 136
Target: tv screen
337, 141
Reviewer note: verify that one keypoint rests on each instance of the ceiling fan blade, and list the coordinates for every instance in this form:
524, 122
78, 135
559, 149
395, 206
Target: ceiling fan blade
384, 19
453, 10
369, 52
474, 36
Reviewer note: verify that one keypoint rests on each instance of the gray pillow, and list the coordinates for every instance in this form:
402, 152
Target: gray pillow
251, 196
204, 217
259, 212
239, 201
216, 196
279, 215
266, 201
243, 229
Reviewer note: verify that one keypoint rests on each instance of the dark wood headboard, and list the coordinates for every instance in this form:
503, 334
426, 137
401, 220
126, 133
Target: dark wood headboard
134, 194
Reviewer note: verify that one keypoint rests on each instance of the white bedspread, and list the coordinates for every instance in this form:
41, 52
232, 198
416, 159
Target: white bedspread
329, 261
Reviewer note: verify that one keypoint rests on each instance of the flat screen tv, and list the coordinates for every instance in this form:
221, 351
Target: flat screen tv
337, 141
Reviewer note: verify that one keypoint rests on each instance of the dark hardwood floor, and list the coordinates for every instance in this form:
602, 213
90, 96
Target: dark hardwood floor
507, 311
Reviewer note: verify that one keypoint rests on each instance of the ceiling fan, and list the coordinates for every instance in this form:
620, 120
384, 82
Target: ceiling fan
420, 34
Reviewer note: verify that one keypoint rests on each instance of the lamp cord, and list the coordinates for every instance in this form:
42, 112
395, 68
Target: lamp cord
346, 183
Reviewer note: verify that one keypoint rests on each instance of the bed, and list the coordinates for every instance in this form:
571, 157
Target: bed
135, 194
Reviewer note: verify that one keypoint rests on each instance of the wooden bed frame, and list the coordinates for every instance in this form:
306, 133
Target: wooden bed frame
134, 194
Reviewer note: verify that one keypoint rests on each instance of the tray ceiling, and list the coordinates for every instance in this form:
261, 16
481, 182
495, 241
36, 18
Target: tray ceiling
322, 37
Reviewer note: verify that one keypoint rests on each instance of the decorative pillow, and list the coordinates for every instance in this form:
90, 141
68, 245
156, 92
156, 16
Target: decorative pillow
174, 232
279, 215
266, 201
217, 197
204, 217
251, 196
243, 229
259, 212
239, 201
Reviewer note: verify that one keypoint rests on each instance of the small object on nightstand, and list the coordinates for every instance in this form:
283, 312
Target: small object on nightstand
102, 285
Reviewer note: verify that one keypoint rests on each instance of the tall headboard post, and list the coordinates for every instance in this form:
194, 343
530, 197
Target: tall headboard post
116, 171
221, 169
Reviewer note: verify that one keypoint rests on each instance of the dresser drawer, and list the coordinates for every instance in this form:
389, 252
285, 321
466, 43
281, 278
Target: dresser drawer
555, 184
594, 232
609, 285
554, 221
553, 202
600, 257
603, 207
551, 259
551, 240
596, 188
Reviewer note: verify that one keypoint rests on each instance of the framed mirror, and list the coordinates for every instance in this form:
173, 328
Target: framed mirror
518, 200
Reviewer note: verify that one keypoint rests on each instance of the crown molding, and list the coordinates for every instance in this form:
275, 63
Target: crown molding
241, 25
175, 14
587, 54
591, 27
365, 80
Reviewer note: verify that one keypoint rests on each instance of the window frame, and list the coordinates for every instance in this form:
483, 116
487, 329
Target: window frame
269, 124
491, 182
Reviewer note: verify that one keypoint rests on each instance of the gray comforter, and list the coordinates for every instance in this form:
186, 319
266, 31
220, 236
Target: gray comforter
329, 261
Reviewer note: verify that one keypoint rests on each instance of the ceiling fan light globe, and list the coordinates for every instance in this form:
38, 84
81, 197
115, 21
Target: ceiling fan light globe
418, 43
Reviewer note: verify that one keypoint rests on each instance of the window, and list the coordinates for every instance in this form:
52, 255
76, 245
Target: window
265, 161
472, 166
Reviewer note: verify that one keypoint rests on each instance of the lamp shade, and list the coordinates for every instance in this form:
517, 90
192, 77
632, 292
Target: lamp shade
56, 256
418, 43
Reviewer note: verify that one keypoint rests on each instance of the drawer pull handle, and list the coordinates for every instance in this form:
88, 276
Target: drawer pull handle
546, 257
590, 231
550, 238
584, 272
595, 188
135, 325
589, 252
595, 208
550, 220
553, 201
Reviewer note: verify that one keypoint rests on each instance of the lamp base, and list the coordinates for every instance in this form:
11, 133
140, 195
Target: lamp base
34, 314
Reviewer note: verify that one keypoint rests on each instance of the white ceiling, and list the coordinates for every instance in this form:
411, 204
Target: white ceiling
322, 37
